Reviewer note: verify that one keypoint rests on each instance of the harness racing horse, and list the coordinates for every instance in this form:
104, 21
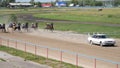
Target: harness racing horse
25, 26
34, 26
17, 27
49, 27
2, 27
12, 27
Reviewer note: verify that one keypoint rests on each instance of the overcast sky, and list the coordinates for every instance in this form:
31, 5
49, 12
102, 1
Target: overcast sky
35, 0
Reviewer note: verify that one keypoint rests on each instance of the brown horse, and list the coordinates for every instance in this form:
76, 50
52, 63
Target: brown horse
50, 26
34, 26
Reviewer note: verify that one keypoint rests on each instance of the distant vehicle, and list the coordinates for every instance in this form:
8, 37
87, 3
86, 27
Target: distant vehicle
101, 39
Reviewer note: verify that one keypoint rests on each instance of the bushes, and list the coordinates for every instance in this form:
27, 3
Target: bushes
98, 3
109, 16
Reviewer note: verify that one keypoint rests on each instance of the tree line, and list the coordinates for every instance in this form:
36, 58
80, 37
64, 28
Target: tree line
5, 3
94, 2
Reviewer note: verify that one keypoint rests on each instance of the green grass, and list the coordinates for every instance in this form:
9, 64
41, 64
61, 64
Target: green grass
38, 59
86, 28
2, 60
109, 16
89, 15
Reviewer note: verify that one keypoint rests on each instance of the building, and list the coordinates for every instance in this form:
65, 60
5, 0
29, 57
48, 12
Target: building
17, 5
45, 5
61, 4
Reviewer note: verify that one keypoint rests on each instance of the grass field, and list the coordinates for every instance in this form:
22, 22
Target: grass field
107, 16
86, 28
111, 15
84, 15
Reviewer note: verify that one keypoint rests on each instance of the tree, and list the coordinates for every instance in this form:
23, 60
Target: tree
56, 0
12, 1
4, 3
98, 3
38, 4
32, 2
75, 2
117, 3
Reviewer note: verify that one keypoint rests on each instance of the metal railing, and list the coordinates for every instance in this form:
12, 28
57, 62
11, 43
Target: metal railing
59, 54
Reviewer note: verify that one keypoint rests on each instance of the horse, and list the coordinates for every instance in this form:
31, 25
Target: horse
100, 9
10, 27
2, 27
18, 27
13, 27
50, 26
25, 26
34, 26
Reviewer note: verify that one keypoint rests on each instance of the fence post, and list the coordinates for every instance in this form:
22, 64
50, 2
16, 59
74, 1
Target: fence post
25, 52
8, 42
16, 44
0, 41
46, 54
25, 47
116, 65
95, 63
76, 60
35, 50
61, 57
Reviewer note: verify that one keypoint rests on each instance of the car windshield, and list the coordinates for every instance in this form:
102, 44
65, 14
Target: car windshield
102, 36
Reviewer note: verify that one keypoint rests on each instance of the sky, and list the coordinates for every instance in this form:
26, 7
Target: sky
35, 0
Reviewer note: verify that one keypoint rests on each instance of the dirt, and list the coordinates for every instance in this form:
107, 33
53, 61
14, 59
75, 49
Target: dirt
72, 42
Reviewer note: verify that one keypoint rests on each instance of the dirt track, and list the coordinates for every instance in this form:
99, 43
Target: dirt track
55, 40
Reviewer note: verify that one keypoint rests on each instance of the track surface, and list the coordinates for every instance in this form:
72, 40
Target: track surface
78, 46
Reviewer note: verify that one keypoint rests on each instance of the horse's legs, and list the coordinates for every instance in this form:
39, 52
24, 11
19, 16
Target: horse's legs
4, 30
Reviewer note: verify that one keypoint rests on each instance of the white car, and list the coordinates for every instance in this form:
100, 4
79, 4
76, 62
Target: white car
101, 39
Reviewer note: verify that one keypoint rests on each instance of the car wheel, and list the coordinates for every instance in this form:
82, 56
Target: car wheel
101, 44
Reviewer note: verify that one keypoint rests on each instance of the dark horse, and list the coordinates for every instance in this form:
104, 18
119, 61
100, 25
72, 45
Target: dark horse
2, 27
14, 26
25, 26
49, 26
18, 27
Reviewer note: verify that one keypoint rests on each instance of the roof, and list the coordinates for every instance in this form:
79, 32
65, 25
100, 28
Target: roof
19, 4
46, 5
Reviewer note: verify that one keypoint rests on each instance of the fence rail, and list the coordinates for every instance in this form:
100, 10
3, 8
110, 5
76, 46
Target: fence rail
58, 54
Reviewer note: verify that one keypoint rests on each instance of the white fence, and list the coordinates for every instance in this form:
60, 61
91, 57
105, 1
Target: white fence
58, 54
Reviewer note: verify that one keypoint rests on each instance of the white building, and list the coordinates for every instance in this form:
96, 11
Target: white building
15, 5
